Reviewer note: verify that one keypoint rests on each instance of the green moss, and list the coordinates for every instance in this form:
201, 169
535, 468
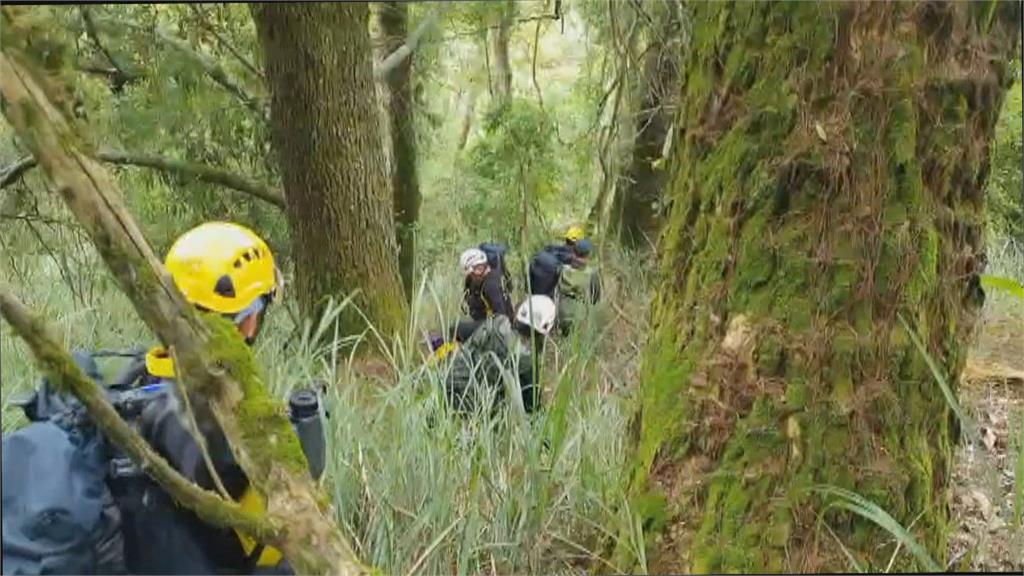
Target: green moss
796, 393
266, 432
902, 133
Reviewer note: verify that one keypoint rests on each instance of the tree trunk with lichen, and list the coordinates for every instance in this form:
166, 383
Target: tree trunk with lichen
325, 130
829, 181
394, 21
636, 212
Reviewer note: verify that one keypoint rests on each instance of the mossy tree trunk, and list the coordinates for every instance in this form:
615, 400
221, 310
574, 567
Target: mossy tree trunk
325, 130
635, 209
829, 179
394, 20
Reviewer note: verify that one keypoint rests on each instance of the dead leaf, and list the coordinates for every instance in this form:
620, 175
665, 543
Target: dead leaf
821, 132
982, 502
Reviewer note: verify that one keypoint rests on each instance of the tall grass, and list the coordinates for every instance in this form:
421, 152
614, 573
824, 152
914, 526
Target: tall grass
418, 490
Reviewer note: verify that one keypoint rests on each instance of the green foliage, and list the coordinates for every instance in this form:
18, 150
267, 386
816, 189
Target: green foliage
512, 164
1005, 188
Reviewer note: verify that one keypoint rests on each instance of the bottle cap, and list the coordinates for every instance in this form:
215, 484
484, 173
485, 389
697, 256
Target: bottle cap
303, 403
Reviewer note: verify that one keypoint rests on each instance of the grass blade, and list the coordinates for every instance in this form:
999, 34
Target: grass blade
857, 504
940, 377
1003, 284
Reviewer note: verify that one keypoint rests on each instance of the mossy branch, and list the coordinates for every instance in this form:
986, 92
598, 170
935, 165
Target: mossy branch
61, 369
218, 367
202, 172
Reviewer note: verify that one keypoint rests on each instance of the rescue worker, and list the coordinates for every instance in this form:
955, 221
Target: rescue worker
579, 286
573, 235
499, 345
226, 269
484, 293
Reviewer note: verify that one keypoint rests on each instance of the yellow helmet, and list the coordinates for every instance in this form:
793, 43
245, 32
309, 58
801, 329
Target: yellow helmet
222, 267
574, 234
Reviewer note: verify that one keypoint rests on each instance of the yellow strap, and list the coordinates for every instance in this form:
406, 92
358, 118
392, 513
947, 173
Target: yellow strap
252, 501
159, 363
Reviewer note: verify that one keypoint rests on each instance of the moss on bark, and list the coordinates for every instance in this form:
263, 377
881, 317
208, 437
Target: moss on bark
829, 176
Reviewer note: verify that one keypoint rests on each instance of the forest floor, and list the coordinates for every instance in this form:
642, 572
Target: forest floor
984, 535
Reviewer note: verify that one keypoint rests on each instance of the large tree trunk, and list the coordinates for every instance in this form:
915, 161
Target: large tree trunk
500, 35
635, 210
830, 180
394, 20
326, 133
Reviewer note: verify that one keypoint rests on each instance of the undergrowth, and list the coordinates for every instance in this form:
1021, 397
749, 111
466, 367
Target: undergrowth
418, 490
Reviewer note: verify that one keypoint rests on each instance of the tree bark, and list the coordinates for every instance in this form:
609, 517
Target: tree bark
325, 129
405, 186
829, 181
635, 210
499, 42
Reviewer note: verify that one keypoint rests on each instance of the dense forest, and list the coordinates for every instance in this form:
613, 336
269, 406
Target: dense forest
807, 354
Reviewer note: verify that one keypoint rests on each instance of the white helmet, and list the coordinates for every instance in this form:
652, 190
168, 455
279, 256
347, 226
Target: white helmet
471, 259
537, 312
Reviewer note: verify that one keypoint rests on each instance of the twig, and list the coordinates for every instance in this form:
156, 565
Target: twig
62, 370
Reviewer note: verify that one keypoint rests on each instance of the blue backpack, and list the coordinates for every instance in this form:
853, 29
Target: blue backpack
495, 252
59, 516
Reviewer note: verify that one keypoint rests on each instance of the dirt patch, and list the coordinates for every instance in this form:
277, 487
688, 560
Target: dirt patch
984, 535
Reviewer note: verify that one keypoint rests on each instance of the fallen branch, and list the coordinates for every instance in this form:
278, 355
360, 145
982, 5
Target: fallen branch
199, 171
62, 371
222, 374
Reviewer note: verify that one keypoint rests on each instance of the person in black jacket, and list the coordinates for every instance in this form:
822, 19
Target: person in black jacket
483, 289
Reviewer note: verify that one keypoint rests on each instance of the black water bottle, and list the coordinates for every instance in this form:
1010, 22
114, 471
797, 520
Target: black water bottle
304, 413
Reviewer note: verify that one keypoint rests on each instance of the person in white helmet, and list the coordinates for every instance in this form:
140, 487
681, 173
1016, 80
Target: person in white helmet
498, 345
485, 295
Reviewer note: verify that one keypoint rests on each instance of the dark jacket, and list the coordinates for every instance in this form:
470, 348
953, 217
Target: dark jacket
182, 543
487, 297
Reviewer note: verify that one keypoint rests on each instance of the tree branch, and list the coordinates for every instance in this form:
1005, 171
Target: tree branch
221, 371
15, 171
210, 66
120, 75
202, 172
394, 59
61, 369
216, 73
246, 63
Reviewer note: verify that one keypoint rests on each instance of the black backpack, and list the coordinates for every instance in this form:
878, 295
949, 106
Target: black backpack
545, 272
495, 252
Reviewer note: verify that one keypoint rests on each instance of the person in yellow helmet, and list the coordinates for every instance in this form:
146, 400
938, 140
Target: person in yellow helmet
573, 235
226, 269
